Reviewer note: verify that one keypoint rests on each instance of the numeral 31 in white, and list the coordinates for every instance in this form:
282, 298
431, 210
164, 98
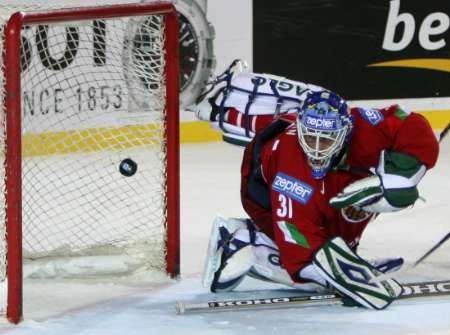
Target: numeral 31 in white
285, 209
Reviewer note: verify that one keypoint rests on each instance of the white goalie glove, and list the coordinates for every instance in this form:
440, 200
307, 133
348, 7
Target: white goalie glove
393, 186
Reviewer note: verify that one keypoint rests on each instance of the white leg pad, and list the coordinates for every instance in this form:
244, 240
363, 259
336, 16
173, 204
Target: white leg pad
267, 266
214, 252
259, 259
240, 263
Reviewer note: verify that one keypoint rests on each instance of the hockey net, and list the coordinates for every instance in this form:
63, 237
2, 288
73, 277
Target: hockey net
88, 88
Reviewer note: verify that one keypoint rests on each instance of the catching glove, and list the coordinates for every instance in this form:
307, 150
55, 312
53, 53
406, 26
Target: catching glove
393, 186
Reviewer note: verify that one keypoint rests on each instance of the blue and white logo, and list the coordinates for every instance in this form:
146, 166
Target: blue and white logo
356, 273
372, 116
292, 188
320, 123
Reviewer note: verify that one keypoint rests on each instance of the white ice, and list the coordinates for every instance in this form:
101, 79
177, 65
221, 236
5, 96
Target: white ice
210, 185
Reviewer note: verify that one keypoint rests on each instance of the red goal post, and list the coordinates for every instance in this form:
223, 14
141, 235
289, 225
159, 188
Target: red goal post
13, 148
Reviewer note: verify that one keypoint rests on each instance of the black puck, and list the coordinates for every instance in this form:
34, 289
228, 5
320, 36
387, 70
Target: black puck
128, 167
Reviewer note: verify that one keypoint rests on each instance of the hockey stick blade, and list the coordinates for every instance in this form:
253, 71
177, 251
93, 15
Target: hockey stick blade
404, 269
411, 290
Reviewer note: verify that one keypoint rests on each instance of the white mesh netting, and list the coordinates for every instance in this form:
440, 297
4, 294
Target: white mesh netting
92, 95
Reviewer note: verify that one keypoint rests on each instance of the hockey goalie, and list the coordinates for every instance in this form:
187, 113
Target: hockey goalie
314, 174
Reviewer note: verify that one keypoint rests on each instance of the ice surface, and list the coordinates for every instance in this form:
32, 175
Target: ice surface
210, 185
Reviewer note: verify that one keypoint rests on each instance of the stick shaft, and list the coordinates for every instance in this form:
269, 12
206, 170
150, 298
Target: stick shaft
429, 252
404, 269
411, 290
225, 305
444, 132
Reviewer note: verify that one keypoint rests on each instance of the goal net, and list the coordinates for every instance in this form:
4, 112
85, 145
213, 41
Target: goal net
89, 137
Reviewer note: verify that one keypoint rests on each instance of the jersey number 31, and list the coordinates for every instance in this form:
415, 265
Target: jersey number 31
285, 208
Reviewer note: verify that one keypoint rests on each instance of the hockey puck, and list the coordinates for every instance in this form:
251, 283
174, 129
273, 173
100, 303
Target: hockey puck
128, 167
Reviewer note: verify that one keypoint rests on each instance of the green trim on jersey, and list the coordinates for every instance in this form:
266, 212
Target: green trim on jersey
401, 114
292, 234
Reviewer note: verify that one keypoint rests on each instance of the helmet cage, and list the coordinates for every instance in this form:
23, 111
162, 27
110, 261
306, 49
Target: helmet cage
320, 159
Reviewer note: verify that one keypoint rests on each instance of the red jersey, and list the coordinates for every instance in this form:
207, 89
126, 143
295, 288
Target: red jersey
297, 215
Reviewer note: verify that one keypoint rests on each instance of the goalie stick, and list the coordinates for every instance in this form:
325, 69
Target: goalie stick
444, 132
411, 290
429, 252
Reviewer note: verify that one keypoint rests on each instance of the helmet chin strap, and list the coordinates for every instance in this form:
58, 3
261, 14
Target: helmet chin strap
322, 172
336, 160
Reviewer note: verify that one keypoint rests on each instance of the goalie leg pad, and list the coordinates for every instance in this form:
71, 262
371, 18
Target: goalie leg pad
267, 266
236, 261
220, 250
236, 250
352, 276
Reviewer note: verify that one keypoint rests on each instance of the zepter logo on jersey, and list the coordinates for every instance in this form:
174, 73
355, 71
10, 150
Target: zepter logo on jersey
292, 188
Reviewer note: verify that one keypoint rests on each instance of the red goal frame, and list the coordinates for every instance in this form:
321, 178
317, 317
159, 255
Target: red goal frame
13, 157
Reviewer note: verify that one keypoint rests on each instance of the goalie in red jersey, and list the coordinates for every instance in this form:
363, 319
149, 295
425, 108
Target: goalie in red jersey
313, 176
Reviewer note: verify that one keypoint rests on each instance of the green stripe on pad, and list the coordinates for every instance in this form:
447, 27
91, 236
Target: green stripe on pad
357, 262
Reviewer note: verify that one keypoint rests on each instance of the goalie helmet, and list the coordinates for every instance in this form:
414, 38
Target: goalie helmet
324, 125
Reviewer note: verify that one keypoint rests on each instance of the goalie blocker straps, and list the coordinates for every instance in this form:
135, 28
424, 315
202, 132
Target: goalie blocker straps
352, 276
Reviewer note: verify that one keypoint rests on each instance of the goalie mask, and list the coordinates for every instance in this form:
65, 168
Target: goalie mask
324, 125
